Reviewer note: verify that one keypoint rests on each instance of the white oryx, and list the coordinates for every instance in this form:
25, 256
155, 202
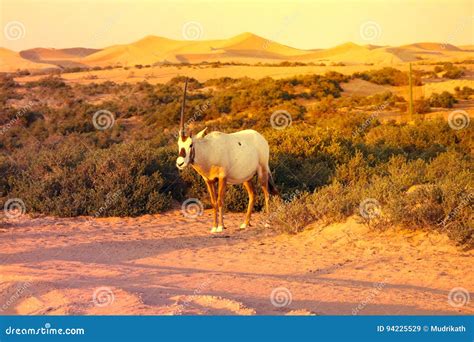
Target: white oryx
226, 159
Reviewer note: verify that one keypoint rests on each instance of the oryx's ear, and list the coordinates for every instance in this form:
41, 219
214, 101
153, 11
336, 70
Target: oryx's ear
201, 134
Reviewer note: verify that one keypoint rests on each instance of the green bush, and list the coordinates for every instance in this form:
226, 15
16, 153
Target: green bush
452, 71
422, 106
125, 180
411, 194
444, 100
386, 75
463, 93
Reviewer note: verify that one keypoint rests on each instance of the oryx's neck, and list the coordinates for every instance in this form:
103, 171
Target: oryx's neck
201, 162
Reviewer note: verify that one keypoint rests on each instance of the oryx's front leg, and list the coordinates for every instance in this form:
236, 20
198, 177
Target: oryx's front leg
249, 187
212, 194
220, 202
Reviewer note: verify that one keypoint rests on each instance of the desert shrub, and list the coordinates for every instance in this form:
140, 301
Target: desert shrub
179, 80
463, 93
422, 106
291, 216
386, 75
411, 194
337, 76
124, 180
7, 89
8, 171
444, 100
236, 197
453, 71
51, 82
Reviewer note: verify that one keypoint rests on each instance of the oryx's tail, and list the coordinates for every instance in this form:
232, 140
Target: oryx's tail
271, 185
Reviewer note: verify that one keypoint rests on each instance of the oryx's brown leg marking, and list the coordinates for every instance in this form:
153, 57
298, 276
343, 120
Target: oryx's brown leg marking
250, 190
211, 187
220, 199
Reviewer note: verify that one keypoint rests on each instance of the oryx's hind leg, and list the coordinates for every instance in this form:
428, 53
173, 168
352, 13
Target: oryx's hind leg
263, 177
249, 187
212, 194
220, 203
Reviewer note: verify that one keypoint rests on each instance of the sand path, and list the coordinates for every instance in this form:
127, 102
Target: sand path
170, 264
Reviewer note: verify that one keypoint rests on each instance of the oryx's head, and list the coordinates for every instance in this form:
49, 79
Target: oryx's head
185, 141
186, 149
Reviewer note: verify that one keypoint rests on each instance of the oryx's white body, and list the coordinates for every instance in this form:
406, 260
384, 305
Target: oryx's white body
223, 159
236, 156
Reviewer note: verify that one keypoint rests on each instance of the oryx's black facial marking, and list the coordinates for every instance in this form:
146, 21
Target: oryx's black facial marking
185, 152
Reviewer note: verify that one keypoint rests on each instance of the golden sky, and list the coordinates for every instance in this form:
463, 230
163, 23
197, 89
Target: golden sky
303, 24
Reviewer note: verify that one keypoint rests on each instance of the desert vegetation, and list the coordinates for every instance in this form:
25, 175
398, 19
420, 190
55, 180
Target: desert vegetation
331, 156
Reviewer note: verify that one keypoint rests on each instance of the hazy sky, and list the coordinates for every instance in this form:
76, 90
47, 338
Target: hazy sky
299, 23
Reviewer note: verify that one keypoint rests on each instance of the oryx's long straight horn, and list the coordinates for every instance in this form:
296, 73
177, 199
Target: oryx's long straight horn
183, 105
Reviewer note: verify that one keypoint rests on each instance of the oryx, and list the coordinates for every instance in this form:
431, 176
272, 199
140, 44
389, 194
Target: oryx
226, 159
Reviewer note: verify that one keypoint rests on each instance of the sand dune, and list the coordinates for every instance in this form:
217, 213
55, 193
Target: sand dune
11, 61
244, 48
250, 48
168, 264
60, 57
154, 49
467, 47
431, 47
351, 54
40, 54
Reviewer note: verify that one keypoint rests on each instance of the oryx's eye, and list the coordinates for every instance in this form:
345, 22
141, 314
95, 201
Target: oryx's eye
191, 145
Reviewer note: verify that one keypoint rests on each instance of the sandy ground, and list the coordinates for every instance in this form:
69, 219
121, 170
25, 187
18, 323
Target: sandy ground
170, 264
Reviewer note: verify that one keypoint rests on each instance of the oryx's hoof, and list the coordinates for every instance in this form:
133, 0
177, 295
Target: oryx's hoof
219, 229
213, 230
244, 225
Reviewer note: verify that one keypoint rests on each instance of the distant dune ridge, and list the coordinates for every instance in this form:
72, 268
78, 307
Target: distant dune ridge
243, 48
60, 57
11, 61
